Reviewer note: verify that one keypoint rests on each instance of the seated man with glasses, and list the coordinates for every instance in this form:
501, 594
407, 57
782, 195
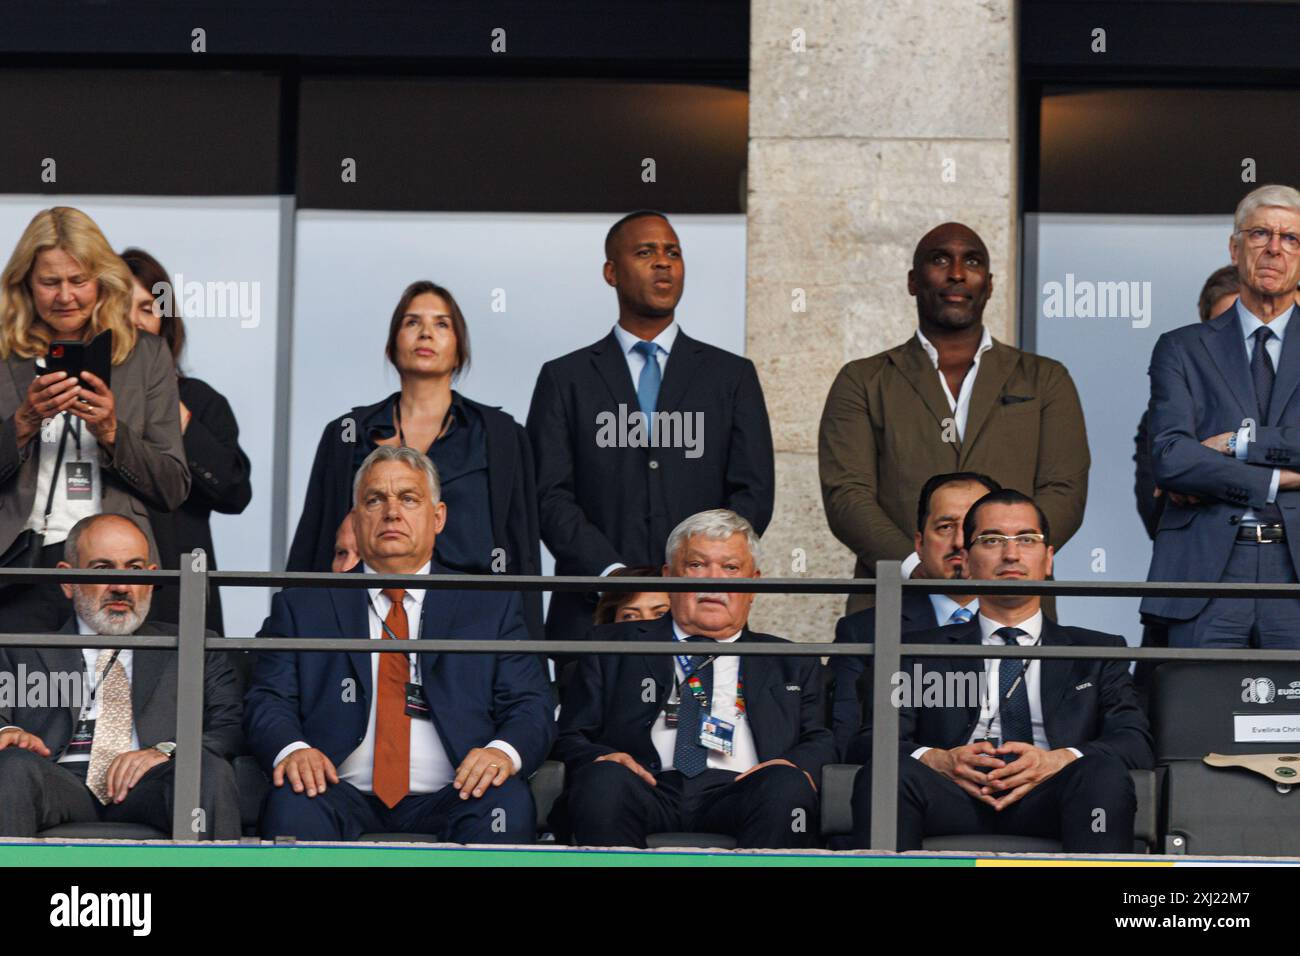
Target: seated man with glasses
1011, 746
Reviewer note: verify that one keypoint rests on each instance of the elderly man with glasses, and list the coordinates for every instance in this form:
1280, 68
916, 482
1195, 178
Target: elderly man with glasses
1225, 441
1010, 746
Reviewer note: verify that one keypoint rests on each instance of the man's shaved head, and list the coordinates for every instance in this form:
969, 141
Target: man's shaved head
940, 235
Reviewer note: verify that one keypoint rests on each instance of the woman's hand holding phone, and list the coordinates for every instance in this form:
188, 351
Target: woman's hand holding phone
47, 396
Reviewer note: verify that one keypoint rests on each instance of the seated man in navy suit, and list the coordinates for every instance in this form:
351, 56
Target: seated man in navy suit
391, 742
696, 742
940, 510
1070, 730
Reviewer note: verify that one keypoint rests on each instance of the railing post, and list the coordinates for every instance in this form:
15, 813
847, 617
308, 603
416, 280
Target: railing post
189, 696
885, 663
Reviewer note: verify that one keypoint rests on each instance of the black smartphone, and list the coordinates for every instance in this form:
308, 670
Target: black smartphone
76, 356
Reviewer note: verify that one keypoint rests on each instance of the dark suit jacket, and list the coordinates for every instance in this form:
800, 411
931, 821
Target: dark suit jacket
882, 437
1201, 386
853, 674
603, 505
220, 482
1088, 704
474, 698
512, 498
147, 467
1150, 508
153, 694
605, 709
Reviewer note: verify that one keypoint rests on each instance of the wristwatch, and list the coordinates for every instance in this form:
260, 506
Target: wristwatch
167, 749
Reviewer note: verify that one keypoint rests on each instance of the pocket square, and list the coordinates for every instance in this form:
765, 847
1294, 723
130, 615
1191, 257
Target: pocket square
1016, 399
1084, 686
793, 687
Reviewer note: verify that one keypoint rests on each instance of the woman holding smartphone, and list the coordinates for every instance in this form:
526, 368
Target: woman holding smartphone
73, 446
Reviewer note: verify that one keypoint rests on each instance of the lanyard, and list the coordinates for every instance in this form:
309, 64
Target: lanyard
996, 700
94, 688
696, 686
397, 420
416, 677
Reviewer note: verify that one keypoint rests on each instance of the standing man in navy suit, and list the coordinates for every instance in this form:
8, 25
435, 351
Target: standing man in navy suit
940, 546
1225, 442
420, 743
643, 428
1023, 747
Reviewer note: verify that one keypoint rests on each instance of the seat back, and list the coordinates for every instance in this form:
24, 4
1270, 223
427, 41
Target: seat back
1199, 708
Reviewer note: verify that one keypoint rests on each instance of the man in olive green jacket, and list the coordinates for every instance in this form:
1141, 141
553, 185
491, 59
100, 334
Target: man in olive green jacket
948, 399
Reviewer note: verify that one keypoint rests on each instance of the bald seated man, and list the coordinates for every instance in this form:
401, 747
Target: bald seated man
949, 399
99, 744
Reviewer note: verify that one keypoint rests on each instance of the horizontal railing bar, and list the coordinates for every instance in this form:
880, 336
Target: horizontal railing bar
87, 576
124, 641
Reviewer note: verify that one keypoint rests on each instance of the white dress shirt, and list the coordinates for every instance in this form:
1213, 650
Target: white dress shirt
80, 446
990, 722
431, 768
635, 363
1250, 324
722, 704
959, 406
90, 708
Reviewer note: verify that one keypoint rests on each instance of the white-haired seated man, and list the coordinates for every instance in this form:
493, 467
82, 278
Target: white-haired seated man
695, 741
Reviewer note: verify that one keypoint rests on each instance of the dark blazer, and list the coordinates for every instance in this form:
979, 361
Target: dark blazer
853, 674
147, 468
474, 698
605, 710
1201, 386
601, 505
219, 470
512, 498
882, 436
1150, 508
1088, 704
153, 694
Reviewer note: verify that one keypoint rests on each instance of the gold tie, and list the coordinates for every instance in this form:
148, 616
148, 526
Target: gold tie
113, 726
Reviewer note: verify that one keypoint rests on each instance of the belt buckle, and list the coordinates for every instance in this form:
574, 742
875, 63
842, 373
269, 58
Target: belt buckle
1259, 535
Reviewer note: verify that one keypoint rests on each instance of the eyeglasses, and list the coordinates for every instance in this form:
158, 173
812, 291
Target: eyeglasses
1259, 236
998, 542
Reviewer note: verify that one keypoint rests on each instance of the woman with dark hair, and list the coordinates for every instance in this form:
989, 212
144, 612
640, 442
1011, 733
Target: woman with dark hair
218, 466
483, 457
615, 607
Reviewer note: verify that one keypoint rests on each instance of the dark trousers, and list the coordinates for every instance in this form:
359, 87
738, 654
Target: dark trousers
37, 793
504, 814
1245, 622
609, 805
35, 608
1089, 806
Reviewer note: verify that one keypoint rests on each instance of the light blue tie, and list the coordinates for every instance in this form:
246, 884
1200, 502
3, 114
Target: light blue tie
647, 386
962, 615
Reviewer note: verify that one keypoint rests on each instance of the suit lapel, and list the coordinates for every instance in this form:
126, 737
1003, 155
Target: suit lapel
920, 373
1054, 676
1288, 372
147, 668
21, 372
657, 666
65, 660
1222, 339
918, 613
611, 364
996, 366
679, 371
500, 453
351, 609
437, 612
760, 676
966, 634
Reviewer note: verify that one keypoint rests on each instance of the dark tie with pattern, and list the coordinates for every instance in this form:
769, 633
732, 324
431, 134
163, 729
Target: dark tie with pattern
1014, 704
690, 758
1262, 374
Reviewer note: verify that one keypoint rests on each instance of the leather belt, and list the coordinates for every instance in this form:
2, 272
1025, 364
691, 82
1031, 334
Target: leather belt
1261, 533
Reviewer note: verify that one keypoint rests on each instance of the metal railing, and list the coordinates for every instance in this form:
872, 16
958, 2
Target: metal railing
191, 641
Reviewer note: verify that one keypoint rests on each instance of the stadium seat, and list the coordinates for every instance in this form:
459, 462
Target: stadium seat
1216, 811
102, 831
837, 818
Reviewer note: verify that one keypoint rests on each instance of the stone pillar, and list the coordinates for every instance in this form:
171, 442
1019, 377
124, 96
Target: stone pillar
870, 121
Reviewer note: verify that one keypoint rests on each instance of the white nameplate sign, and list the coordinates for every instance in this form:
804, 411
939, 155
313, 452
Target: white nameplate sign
1266, 728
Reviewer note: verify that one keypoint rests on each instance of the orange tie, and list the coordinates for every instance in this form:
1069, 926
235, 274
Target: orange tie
392, 725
